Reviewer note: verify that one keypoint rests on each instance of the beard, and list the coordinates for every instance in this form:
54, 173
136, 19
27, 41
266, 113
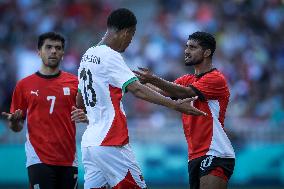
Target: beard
193, 62
52, 64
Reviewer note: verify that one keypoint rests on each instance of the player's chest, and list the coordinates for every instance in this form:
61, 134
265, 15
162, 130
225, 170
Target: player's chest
49, 93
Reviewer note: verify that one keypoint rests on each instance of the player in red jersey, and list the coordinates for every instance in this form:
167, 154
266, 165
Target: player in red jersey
211, 156
45, 101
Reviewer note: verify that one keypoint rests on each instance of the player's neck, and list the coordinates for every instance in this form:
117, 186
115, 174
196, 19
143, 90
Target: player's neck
49, 71
204, 67
110, 40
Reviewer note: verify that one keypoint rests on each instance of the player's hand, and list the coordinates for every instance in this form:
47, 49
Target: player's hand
144, 75
186, 106
15, 117
78, 115
15, 120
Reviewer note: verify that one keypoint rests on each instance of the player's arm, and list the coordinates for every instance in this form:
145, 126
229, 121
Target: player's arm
80, 101
78, 113
145, 81
143, 92
18, 109
158, 90
173, 89
166, 87
16, 120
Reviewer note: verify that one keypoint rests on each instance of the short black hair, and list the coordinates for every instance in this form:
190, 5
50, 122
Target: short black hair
52, 36
121, 18
205, 40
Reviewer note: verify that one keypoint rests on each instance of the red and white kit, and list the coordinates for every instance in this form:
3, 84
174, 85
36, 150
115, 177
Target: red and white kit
207, 136
107, 156
46, 102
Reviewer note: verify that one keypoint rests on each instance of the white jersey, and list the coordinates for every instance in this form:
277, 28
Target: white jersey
103, 77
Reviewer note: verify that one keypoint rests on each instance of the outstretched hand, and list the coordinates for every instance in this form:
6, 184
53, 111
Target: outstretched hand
78, 115
144, 75
14, 117
15, 120
186, 106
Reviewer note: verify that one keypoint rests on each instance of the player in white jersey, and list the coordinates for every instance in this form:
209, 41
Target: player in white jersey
103, 79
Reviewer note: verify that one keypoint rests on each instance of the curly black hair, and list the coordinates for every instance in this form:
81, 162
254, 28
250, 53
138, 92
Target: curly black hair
52, 36
205, 40
121, 18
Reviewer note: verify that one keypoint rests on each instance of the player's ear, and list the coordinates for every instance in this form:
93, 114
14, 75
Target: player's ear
207, 53
39, 53
124, 33
120, 34
131, 30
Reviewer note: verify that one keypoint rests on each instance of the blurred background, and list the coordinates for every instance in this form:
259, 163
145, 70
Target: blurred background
250, 52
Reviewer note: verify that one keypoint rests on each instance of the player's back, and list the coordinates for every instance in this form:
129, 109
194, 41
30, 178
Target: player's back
102, 75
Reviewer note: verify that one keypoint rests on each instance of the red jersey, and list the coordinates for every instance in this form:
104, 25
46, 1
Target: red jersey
47, 102
205, 135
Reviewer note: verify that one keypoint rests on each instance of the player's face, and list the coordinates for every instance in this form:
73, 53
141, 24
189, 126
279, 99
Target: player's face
51, 53
194, 54
127, 36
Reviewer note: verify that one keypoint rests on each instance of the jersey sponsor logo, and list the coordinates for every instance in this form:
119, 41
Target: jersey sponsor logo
206, 162
66, 90
91, 58
35, 92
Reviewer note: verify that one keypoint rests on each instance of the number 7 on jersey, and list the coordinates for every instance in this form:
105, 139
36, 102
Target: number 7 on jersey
52, 98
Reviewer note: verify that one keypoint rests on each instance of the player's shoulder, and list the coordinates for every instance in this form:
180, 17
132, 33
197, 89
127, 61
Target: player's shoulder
103, 49
106, 55
69, 77
28, 79
214, 77
215, 74
186, 77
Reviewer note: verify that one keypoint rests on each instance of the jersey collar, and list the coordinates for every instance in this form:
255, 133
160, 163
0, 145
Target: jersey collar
48, 76
202, 74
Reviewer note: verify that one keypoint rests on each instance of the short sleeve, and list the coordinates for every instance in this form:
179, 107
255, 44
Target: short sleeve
119, 74
18, 100
183, 80
211, 86
80, 87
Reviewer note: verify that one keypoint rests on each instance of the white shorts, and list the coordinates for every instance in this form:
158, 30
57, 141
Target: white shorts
113, 166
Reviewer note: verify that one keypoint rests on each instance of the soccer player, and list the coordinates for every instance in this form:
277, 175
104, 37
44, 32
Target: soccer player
103, 80
45, 100
211, 156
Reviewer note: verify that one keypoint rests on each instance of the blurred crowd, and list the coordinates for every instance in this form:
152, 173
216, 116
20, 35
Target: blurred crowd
250, 46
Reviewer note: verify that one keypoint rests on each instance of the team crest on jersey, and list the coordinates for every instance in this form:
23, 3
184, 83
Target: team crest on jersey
66, 90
